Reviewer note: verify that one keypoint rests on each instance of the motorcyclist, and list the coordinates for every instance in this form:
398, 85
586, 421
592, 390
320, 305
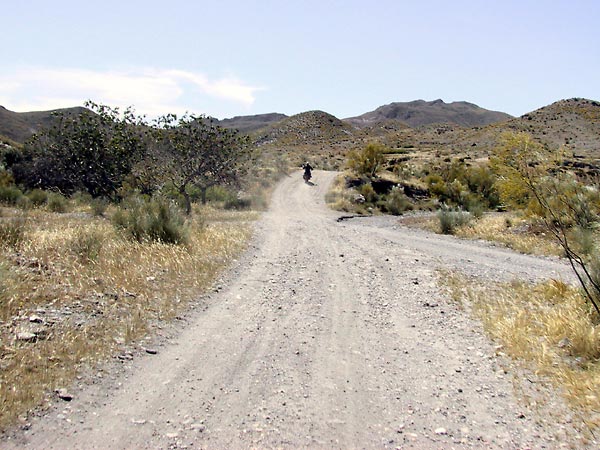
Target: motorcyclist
307, 171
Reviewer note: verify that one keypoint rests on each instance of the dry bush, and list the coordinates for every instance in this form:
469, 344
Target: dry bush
338, 197
77, 290
549, 327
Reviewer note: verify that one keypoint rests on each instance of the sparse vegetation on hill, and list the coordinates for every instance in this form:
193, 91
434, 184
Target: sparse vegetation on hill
420, 112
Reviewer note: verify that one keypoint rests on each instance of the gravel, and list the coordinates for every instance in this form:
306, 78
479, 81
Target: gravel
325, 335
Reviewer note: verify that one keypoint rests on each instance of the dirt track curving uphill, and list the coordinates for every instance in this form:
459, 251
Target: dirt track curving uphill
327, 335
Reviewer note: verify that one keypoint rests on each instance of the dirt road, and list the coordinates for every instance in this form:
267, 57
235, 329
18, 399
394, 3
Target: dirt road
328, 335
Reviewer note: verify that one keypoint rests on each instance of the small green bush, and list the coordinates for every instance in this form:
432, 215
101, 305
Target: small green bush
397, 202
451, 219
238, 203
82, 198
157, 219
218, 194
57, 203
99, 206
10, 195
38, 197
367, 191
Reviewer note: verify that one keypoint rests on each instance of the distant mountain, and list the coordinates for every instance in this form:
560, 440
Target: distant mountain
21, 126
249, 124
572, 124
419, 112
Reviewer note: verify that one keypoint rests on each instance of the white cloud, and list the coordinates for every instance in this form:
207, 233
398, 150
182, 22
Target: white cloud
150, 91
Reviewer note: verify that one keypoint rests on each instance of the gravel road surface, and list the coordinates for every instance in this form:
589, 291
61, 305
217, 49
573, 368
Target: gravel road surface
327, 334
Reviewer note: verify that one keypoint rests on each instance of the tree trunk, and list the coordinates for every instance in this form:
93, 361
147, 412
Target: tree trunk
203, 193
188, 201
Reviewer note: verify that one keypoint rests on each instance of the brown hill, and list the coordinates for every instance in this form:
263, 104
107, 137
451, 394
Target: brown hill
249, 124
21, 126
420, 112
311, 127
572, 124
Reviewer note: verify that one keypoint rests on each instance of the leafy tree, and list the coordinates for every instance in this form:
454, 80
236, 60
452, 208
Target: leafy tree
92, 151
192, 151
531, 177
367, 161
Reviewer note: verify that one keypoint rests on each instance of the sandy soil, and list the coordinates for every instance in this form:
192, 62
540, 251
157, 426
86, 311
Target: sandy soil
326, 335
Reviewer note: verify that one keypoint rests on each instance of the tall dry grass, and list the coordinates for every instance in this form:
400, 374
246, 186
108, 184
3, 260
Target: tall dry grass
549, 327
511, 231
75, 289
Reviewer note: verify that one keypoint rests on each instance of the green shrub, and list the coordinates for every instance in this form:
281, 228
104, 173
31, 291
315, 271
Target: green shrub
367, 161
451, 219
82, 198
367, 191
238, 203
9, 195
157, 219
397, 202
218, 194
99, 206
24, 203
37, 197
57, 203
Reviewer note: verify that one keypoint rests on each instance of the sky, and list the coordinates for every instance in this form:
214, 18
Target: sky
227, 58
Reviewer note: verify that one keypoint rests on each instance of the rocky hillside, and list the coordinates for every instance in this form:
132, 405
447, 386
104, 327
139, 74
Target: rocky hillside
21, 126
249, 124
311, 127
572, 124
420, 112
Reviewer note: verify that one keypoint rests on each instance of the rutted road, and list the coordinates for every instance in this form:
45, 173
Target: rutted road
319, 340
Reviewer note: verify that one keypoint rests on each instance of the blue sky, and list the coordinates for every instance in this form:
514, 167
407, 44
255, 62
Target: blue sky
227, 57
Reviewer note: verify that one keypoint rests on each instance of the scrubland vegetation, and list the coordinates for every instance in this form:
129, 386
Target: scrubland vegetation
525, 197
108, 227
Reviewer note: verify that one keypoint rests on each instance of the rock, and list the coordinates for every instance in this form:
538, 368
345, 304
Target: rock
359, 199
26, 336
35, 319
441, 431
151, 351
198, 426
564, 342
127, 356
63, 394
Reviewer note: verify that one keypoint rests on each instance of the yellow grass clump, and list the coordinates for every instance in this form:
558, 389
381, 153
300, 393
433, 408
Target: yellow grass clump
74, 290
548, 326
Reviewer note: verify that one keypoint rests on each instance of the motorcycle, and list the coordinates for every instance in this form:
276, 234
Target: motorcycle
307, 176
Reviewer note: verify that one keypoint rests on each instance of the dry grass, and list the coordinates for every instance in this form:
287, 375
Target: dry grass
506, 229
549, 327
74, 290
511, 231
339, 197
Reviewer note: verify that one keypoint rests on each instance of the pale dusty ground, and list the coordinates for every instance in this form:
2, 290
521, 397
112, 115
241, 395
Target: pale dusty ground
326, 335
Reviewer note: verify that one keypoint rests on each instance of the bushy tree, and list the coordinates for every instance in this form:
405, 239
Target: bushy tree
367, 161
92, 151
192, 151
532, 177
